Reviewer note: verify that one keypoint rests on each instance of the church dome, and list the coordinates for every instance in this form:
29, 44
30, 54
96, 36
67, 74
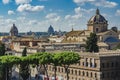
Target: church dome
14, 31
98, 18
50, 30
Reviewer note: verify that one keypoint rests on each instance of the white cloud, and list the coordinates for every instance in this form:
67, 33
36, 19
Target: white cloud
117, 13
82, 1
43, 0
5, 1
104, 3
77, 10
52, 17
29, 8
10, 12
67, 16
22, 1
78, 13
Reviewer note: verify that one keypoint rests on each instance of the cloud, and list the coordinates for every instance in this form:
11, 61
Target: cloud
82, 1
117, 13
42, 0
29, 8
103, 3
10, 12
23, 1
5, 1
79, 13
53, 17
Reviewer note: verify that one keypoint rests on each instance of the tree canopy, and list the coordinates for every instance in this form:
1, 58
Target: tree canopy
91, 43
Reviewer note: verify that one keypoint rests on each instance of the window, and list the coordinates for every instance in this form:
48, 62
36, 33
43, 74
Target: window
103, 65
58, 69
97, 29
71, 71
91, 64
79, 72
112, 64
86, 63
116, 64
75, 72
91, 74
108, 75
107, 65
83, 73
102, 75
87, 74
95, 65
95, 75
83, 63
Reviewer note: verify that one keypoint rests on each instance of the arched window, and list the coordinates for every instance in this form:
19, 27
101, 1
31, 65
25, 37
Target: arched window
75, 72
91, 74
72, 71
87, 74
95, 75
62, 69
79, 72
58, 69
97, 30
83, 73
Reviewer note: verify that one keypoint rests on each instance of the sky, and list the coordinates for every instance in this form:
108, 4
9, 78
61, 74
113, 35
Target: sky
38, 15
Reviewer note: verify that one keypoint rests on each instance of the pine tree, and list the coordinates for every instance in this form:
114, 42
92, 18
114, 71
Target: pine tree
2, 67
24, 66
91, 43
2, 49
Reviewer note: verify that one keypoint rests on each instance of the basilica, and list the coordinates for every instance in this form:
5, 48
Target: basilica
99, 25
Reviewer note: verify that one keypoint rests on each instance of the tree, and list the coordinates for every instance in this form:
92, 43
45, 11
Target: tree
9, 62
56, 62
2, 67
24, 65
44, 60
41, 59
2, 49
91, 43
34, 60
68, 58
24, 53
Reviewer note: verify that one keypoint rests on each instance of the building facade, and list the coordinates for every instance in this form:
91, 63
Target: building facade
92, 66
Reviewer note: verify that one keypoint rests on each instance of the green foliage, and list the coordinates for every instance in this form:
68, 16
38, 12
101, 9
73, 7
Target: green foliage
56, 59
24, 53
45, 58
7, 63
10, 60
2, 49
24, 65
2, 71
68, 58
91, 43
34, 58
2, 67
117, 47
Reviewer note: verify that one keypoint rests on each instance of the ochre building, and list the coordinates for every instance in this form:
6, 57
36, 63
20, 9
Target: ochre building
99, 25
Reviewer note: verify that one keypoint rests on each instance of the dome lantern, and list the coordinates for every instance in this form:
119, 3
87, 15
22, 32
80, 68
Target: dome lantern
97, 12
